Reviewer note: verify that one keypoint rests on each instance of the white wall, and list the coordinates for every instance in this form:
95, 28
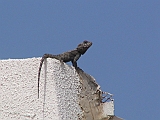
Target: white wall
66, 94
18, 91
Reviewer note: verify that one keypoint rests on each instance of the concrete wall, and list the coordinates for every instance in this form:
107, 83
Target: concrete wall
18, 80
65, 93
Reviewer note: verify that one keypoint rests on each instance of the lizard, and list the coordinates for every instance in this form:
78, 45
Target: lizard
72, 56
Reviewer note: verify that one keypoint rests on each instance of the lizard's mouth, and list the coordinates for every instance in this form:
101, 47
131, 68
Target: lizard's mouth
87, 43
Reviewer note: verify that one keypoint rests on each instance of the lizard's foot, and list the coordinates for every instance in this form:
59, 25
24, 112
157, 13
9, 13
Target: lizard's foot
61, 61
78, 69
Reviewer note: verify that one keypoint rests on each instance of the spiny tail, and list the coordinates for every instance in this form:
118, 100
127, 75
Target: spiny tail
39, 72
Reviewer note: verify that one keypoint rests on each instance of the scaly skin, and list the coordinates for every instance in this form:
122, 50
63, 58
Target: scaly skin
72, 56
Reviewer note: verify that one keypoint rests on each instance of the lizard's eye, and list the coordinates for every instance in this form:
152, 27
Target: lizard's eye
85, 41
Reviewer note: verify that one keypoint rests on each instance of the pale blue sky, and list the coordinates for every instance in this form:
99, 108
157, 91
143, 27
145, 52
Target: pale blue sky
124, 58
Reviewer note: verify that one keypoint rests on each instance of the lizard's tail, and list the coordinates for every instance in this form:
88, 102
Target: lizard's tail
41, 63
39, 72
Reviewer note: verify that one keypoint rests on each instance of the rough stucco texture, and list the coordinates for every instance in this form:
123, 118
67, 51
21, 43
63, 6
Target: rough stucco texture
18, 91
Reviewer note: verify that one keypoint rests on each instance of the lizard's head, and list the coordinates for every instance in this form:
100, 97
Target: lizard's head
82, 48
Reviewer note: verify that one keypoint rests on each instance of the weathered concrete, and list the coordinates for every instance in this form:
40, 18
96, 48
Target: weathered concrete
65, 94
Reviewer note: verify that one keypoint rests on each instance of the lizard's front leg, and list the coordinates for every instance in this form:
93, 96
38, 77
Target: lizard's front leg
74, 61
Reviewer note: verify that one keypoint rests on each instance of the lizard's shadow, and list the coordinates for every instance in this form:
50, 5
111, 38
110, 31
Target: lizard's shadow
45, 82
